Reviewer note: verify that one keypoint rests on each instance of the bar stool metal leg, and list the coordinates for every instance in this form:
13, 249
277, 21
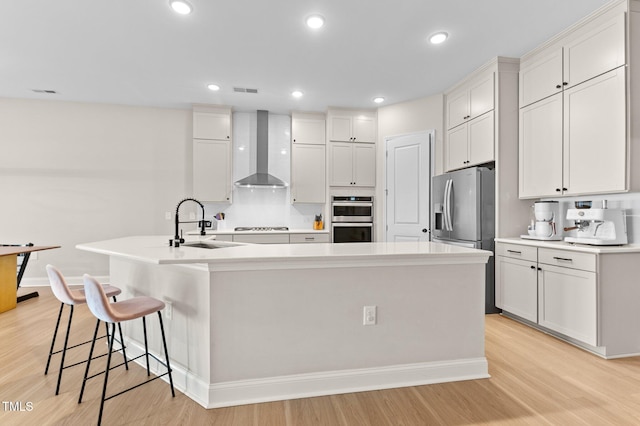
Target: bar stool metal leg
64, 350
146, 345
86, 370
106, 374
53, 340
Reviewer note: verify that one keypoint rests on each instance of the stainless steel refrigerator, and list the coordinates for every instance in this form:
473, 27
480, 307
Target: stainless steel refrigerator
463, 214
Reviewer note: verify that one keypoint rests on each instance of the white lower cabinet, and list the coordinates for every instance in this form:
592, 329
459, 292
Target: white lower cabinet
553, 288
567, 302
519, 289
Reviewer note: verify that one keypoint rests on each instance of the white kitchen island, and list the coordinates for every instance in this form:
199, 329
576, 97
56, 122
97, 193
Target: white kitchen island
254, 323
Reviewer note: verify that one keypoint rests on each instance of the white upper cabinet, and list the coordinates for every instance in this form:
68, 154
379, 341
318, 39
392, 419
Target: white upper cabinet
352, 164
594, 51
573, 119
212, 153
595, 136
352, 126
308, 128
585, 53
308, 172
540, 162
308, 158
212, 125
471, 100
541, 77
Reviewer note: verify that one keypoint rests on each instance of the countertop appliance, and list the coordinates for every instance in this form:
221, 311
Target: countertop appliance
600, 227
352, 219
463, 214
548, 222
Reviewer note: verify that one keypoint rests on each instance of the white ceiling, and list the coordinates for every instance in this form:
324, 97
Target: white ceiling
139, 52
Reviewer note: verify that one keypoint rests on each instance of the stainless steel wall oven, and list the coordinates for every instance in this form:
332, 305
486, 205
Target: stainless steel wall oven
352, 219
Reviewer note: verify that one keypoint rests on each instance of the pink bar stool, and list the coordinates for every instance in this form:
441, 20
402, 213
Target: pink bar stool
70, 298
114, 313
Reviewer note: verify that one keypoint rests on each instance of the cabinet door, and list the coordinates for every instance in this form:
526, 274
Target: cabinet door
211, 125
308, 131
308, 173
456, 149
340, 128
481, 96
457, 107
341, 164
481, 137
567, 302
540, 143
595, 141
212, 170
517, 287
364, 165
364, 129
541, 76
597, 51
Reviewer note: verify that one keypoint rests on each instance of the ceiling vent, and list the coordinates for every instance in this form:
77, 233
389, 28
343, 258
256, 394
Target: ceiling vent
51, 92
244, 90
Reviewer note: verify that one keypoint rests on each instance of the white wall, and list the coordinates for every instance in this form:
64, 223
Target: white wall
80, 172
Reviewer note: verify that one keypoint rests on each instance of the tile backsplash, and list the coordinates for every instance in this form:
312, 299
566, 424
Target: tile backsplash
263, 206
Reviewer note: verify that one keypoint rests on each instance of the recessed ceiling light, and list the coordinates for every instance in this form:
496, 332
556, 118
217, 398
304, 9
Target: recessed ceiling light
181, 6
315, 21
296, 94
213, 87
378, 99
438, 38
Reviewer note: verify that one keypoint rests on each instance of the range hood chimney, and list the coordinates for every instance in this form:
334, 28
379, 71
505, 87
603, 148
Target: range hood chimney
262, 176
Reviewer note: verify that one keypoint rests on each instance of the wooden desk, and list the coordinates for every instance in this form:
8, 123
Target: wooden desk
8, 274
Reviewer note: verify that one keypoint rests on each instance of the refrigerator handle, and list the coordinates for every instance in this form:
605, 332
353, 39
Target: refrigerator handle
448, 206
447, 224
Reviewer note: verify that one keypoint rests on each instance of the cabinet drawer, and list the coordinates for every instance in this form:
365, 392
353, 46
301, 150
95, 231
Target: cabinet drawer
567, 259
517, 251
309, 238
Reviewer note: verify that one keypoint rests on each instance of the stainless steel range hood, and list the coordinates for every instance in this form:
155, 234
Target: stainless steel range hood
262, 178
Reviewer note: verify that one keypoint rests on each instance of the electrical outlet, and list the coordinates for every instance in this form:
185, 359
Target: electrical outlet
369, 315
167, 215
168, 310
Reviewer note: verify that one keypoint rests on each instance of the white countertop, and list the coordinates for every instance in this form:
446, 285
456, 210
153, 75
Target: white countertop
561, 245
156, 250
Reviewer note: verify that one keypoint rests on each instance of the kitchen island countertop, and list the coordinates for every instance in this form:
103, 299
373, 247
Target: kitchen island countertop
156, 250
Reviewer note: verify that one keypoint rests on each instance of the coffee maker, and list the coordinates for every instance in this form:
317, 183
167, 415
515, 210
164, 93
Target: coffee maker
597, 226
548, 222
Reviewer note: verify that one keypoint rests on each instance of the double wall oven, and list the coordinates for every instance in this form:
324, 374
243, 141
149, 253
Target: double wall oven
352, 219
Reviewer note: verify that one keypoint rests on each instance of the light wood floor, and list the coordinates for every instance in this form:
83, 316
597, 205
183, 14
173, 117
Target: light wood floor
535, 379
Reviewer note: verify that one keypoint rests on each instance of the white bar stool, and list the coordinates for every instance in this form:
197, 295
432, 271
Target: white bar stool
114, 313
70, 297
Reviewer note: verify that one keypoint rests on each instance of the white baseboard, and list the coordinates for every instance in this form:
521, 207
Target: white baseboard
315, 384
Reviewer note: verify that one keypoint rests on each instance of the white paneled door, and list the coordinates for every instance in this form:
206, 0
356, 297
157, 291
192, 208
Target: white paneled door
408, 180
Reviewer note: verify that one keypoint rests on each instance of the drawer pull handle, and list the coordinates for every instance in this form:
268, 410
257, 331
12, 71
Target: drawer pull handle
563, 259
533, 267
514, 251
309, 238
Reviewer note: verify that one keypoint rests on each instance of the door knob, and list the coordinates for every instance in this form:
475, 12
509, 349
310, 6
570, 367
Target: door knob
425, 230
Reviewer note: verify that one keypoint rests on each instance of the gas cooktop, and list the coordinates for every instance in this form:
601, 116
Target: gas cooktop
261, 228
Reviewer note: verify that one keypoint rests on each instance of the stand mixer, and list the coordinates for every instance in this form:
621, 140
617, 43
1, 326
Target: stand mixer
599, 226
548, 222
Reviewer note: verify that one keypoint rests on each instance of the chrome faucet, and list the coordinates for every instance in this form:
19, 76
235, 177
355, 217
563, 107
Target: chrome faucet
177, 239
